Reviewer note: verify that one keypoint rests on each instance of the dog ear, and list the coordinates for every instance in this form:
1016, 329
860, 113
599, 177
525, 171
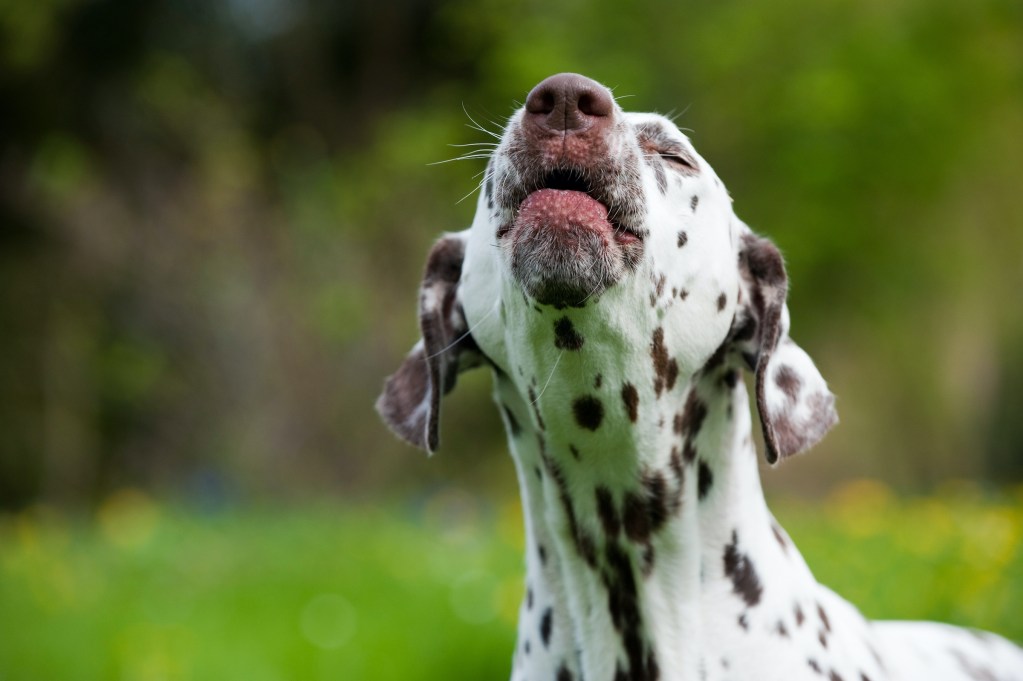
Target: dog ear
410, 402
795, 406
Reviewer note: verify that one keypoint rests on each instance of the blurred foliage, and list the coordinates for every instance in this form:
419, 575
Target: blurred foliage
213, 216
144, 590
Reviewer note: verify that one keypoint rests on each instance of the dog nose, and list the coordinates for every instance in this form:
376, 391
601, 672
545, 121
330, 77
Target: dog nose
569, 102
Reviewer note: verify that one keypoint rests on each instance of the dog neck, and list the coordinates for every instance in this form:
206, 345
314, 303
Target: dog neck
627, 530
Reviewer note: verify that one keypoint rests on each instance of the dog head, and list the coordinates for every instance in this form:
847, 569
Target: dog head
604, 236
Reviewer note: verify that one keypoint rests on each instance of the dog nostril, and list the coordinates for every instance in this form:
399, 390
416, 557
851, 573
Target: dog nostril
594, 104
541, 101
568, 101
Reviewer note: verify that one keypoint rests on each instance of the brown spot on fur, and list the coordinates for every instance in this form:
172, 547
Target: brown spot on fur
659, 287
824, 618
665, 367
683, 238
630, 398
800, 617
779, 536
635, 517
789, 382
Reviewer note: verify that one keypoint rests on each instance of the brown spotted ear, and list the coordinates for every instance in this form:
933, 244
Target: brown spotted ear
796, 408
410, 402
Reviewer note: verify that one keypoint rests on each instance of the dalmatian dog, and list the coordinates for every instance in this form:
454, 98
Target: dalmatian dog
617, 299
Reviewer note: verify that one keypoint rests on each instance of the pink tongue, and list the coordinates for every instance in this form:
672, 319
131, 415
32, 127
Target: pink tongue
563, 209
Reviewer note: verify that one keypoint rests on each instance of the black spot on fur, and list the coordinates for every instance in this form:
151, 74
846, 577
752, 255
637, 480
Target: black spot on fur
529, 598
546, 623
584, 543
746, 330
744, 622
741, 571
693, 414
525, 647
678, 470
575, 452
513, 424
588, 411
623, 605
598, 381
542, 552
536, 409
834, 676
665, 367
635, 517
814, 666
705, 479
722, 299
657, 495
647, 560
565, 335
630, 398
822, 637
563, 673
607, 511
781, 630
800, 617
688, 452
730, 378
693, 202
683, 238
622, 596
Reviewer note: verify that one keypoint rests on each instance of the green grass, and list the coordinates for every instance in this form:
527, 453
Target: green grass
149, 591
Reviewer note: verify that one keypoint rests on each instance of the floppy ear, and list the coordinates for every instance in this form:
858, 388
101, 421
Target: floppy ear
410, 402
796, 408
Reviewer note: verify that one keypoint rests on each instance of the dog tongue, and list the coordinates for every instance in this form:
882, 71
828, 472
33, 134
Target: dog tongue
561, 209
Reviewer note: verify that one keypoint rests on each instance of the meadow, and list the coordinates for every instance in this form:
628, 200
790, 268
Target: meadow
147, 590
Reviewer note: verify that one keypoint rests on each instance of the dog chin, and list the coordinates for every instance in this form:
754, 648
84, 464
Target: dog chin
564, 250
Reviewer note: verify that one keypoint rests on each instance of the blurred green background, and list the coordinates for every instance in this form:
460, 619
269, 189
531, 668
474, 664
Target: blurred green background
213, 218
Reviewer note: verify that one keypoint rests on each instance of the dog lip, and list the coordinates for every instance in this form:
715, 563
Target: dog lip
574, 179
